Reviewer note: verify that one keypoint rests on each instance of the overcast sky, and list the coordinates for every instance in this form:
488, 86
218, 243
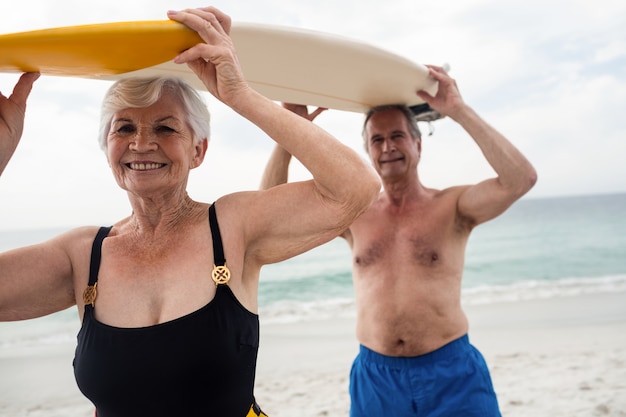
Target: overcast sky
550, 75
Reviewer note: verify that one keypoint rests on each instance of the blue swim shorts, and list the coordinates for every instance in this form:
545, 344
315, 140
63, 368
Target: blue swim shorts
451, 381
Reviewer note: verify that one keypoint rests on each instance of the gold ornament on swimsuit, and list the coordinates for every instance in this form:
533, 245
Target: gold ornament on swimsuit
220, 274
90, 293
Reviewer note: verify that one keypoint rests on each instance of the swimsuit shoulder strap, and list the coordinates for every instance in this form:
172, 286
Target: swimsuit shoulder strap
220, 273
96, 254
218, 248
89, 295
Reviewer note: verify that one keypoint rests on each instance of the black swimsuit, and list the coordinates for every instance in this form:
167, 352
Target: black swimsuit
201, 364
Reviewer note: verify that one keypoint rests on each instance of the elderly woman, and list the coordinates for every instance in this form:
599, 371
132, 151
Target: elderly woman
168, 295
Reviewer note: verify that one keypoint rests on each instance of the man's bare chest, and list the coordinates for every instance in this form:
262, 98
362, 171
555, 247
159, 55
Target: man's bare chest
398, 244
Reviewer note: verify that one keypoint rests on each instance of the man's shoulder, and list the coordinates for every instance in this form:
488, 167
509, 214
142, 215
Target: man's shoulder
448, 194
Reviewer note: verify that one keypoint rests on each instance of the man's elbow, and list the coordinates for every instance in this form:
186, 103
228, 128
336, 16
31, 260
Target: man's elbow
526, 181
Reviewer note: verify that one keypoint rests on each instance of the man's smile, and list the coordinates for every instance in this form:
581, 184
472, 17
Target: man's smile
387, 161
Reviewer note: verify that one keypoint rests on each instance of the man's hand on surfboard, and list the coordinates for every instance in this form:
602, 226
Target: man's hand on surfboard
215, 61
448, 99
303, 111
12, 109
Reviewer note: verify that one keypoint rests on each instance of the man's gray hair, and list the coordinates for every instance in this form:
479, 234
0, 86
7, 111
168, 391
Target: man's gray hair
405, 110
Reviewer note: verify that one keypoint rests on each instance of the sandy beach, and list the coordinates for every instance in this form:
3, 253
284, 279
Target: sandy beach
554, 357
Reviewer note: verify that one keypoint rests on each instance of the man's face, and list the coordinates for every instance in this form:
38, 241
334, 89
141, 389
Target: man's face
393, 151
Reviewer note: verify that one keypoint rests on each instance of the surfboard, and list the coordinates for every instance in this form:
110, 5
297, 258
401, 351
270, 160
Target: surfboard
283, 63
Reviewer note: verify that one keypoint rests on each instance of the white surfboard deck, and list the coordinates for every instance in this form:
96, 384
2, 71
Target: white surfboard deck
285, 64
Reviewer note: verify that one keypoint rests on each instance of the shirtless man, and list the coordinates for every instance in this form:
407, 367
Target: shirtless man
408, 253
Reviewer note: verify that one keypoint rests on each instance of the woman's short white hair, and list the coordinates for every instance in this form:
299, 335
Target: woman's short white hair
143, 92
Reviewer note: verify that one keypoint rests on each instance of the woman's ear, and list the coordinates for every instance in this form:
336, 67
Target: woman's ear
200, 148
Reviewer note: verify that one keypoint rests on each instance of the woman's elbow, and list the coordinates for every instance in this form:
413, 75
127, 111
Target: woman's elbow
365, 188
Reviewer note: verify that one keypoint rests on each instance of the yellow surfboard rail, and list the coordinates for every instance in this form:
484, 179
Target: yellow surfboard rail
94, 50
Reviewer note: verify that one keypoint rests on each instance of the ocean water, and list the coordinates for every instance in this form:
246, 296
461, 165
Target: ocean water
539, 248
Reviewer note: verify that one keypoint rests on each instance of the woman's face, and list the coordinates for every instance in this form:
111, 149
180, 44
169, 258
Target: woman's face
151, 149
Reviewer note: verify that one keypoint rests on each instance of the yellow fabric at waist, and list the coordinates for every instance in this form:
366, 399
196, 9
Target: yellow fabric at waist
255, 411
